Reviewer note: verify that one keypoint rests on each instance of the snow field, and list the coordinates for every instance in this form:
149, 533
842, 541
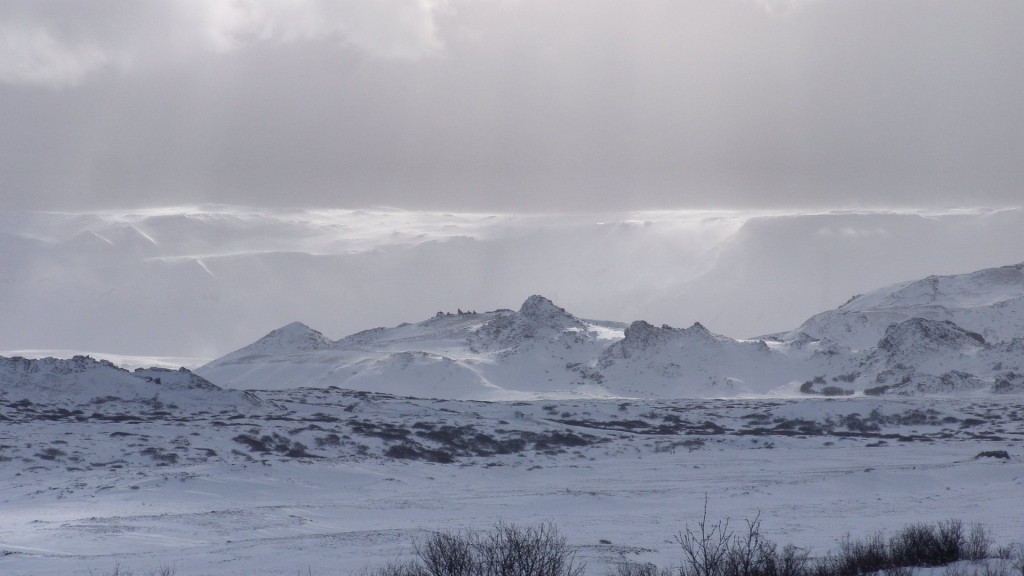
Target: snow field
802, 465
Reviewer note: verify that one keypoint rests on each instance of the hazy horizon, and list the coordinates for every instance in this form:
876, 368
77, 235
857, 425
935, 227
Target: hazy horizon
202, 281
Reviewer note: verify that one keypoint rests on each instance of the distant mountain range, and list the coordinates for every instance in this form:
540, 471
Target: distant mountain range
942, 334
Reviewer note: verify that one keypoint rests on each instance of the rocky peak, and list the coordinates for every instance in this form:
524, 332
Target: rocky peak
920, 334
641, 334
699, 331
538, 319
540, 308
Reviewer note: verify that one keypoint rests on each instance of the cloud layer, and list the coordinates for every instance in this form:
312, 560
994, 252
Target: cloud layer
60, 44
511, 105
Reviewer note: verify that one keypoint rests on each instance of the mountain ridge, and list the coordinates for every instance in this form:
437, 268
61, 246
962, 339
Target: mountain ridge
940, 334
941, 329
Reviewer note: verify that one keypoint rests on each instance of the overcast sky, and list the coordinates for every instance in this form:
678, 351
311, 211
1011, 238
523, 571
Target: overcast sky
521, 105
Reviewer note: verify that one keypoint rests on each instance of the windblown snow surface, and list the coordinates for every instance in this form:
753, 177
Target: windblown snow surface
272, 460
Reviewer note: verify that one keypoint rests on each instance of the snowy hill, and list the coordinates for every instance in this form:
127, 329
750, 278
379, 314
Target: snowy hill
936, 335
466, 355
989, 302
692, 362
82, 380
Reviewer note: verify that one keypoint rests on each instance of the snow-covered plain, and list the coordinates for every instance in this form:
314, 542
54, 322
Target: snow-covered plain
311, 481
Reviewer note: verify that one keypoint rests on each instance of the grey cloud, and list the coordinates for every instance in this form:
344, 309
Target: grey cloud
31, 55
526, 105
58, 43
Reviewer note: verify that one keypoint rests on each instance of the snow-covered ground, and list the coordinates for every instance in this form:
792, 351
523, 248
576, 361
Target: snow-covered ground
328, 481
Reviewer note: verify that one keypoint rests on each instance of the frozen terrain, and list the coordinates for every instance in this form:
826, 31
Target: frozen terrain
329, 481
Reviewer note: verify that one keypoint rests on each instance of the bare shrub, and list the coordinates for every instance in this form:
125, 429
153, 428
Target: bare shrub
510, 550
716, 550
506, 550
792, 561
862, 556
1014, 555
978, 545
1004, 552
928, 545
448, 554
747, 552
704, 549
952, 543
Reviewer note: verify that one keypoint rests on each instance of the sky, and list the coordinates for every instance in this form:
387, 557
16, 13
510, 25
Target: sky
511, 105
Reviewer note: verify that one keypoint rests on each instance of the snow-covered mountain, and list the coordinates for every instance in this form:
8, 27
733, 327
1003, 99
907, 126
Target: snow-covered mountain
989, 302
939, 334
464, 355
82, 381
